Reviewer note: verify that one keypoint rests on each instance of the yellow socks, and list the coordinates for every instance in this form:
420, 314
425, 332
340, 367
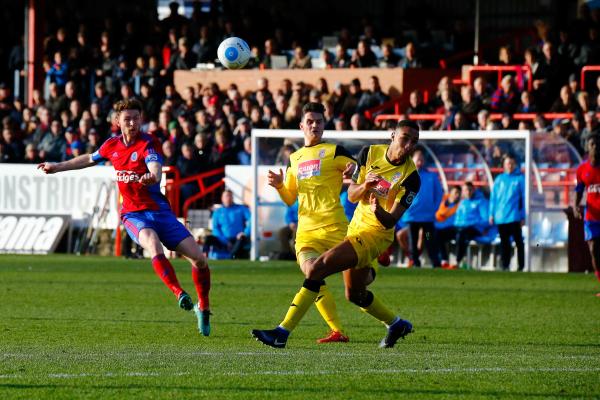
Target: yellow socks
326, 306
380, 311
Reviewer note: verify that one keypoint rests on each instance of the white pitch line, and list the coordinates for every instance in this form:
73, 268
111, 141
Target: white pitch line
311, 373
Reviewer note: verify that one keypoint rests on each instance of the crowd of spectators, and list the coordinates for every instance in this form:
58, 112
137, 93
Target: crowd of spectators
208, 126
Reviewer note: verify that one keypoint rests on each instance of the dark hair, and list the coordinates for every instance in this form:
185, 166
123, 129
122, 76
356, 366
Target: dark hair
456, 187
129, 104
469, 184
408, 123
594, 135
313, 107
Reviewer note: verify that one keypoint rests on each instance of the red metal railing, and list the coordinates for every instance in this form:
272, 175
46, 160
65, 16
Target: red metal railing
585, 70
518, 69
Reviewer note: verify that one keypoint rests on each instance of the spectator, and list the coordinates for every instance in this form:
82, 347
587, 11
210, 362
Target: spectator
31, 155
482, 92
506, 97
74, 147
270, 50
591, 126
188, 166
415, 104
444, 223
526, 105
342, 59
421, 214
363, 56
58, 71
222, 153
507, 210
169, 157
245, 155
230, 228
565, 103
287, 234
301, 60
53, 144
204, 48
372, 97
470, 104
410, 59
13, 148
388, 58
470, 221
203, 151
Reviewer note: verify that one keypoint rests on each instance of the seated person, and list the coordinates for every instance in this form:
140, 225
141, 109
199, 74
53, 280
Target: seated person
471, 220
444, 223
230, 228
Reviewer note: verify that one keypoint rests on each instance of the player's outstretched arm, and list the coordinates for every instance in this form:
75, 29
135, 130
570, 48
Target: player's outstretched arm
79, 162
276, 180
387, 219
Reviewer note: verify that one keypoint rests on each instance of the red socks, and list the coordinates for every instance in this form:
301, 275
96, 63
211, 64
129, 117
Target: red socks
201, 278
166, 273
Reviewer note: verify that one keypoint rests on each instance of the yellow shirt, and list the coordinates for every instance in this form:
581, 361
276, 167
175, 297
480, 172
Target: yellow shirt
314, 176
399, 183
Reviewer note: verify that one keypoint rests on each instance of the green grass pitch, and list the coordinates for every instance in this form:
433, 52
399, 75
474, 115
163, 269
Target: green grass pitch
90, 327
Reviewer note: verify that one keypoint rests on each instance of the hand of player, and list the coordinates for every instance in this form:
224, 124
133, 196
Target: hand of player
148, 179
349, 171
275, 180
373, 202
372, 179
48, 167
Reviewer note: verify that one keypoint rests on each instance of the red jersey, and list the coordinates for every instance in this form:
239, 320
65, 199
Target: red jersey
130, 164
588, 178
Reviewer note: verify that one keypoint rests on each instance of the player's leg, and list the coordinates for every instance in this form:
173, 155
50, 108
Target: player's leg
325, 265
310, 245
149, 240
594, 246
201, 278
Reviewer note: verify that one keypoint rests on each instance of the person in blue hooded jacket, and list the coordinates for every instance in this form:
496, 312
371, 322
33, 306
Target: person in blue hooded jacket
421, 214
471, 220
230, 227
507, 210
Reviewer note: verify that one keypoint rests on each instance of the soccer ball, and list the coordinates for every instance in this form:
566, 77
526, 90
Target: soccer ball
233, 53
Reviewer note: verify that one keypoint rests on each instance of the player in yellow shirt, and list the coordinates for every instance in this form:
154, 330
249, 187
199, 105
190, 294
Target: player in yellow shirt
314, 176
385, 182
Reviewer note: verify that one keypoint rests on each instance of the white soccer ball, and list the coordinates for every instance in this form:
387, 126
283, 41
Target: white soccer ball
234, 53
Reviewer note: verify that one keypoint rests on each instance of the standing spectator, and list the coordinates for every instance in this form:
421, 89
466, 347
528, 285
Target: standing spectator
507, 210
470, 221
444, 223
230, 228
58, 71
565, 103
588, 177
204, 48
421, 214
13, 146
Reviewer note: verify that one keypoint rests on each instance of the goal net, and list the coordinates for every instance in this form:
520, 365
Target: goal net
457, 157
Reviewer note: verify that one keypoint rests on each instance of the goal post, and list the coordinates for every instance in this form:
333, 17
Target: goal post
266, 140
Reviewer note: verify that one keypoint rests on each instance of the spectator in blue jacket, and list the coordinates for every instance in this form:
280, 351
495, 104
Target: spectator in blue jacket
287, 234
58, 70
421, 214
471, 220
230, 228
507, 210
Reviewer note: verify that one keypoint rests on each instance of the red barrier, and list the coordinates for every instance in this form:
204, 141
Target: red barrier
585, 70
518, 69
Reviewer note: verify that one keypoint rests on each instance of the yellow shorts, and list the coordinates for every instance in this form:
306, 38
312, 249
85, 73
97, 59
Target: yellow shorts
313, 243
369, 244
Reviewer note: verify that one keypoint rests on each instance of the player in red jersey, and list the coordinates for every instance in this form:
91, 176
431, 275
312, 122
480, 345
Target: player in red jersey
588, 179
145, 212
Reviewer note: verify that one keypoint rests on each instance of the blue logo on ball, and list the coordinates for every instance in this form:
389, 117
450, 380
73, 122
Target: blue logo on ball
231, 54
